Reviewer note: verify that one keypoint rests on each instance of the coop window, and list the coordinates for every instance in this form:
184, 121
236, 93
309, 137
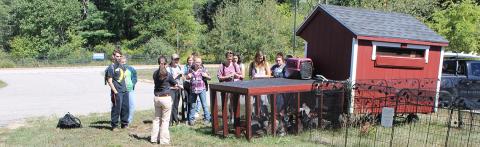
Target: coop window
395, 50
400, 52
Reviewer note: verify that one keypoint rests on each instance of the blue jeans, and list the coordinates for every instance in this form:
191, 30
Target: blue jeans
120, 110
131, 106
192, 111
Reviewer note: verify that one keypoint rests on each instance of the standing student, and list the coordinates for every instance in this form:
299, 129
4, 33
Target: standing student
176, 71
197, 75
260, 68
130, 81
116, 80
238, 61
229, 71
278, 71
186, 88
163, 81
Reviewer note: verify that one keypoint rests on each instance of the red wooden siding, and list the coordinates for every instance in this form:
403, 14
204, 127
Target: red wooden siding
329, 46
366, 68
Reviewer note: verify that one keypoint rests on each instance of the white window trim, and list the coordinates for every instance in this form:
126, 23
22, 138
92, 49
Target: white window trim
385, 44
442, 53
353, 70
398, 45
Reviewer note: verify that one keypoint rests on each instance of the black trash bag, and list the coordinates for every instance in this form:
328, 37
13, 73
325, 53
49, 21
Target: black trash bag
69, 122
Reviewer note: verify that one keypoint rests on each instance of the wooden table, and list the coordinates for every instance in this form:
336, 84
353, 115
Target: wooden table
251, 88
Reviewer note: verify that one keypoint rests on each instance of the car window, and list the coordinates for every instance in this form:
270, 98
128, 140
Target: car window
462, 66
449, 67
475, 68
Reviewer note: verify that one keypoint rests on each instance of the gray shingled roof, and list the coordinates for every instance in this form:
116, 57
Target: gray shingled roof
364, 22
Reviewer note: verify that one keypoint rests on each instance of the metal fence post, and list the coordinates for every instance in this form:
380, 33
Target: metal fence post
393, 125
346, 128
449, 126
471, 125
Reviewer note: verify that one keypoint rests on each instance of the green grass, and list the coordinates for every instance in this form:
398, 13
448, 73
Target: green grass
2, 84
95, 132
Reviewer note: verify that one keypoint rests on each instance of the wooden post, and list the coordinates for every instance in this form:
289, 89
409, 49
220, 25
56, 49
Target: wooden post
320, 115
248, 106
214, 109
236, 105
225, 114
258, 100
274, 114
297, 125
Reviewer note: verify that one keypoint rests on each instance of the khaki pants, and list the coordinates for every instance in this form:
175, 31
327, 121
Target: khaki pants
160, 123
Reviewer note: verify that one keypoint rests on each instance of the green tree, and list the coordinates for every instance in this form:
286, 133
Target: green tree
246, 27
45, 21
74, 45
94, 27
24, 47
460, 24
4, 26
157, 46
173, 21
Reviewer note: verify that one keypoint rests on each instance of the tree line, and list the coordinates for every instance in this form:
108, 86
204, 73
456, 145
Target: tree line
73, 29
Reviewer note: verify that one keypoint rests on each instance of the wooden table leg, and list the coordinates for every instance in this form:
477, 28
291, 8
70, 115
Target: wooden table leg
274, 114
297, 126
320, 114
214, 109
236, 106
248, 106
258, 104
225, 114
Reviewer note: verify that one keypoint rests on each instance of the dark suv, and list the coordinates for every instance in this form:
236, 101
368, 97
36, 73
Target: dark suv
460, 83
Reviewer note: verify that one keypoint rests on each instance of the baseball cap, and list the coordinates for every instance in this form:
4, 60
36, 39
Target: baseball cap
175, 56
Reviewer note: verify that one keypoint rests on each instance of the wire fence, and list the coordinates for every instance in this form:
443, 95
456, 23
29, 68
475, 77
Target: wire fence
352, 116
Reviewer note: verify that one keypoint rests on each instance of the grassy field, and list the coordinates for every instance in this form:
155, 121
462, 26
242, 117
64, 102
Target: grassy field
95, 132
2, 84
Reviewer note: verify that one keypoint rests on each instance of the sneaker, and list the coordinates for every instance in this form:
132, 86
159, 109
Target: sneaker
191, 123
124, 126
206, 122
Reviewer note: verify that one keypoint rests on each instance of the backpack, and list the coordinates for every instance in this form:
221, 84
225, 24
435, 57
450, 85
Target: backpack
69, 121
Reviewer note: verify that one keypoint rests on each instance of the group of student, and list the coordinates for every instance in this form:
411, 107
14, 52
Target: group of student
173, 82
121, 78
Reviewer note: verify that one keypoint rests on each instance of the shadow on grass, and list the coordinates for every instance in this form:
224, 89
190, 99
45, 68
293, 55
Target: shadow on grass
101, 127
205, 130
101, 122
144, 138
147, 121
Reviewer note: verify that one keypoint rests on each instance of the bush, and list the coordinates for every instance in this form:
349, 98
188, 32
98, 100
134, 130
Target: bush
5, 61
24, 47
156, 47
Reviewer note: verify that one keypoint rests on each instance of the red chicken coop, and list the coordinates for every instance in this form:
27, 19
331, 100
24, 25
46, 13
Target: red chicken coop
391, 58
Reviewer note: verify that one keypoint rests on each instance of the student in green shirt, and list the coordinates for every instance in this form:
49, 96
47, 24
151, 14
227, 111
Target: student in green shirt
130, 81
